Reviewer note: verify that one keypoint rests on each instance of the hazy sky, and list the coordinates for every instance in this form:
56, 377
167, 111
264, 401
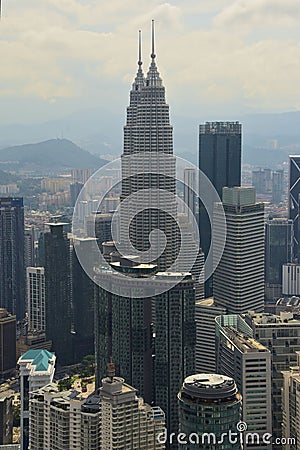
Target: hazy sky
221, 57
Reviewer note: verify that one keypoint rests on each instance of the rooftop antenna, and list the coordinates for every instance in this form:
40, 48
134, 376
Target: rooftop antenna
153, 54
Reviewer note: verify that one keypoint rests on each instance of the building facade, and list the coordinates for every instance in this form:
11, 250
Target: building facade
281, 335
149, 169
36, 298
37, 369
291, 279
209, 405
83, 303
249, 362
127, 422
294, 191
58, 291
12, 268
152, 338
7, 344
239, 278
206, 312
220, 160
278, 251
291, 406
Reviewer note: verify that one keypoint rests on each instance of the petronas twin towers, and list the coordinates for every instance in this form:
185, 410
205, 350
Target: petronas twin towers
148, 200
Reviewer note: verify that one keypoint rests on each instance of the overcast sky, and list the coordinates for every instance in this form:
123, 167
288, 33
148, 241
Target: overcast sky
216, 57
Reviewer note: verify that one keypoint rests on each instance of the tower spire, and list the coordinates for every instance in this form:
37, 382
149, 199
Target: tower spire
140, 62
153, 40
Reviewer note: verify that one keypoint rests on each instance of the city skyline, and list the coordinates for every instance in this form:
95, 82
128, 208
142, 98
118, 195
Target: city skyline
77, 54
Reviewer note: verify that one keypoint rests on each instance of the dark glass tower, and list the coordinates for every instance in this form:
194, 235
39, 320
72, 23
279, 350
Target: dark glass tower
294, 192
12, 265
220, 160
83, 304
58, 291
278, 251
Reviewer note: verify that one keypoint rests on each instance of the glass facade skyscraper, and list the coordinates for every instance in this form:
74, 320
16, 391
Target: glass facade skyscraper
209, 405
58, 291
294, 192
12, 263
220, 160
278, 251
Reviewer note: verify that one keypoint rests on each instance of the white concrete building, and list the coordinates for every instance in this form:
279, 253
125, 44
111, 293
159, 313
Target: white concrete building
291, 279
249, 363
127, 422
239, 278
291, 407
37, 369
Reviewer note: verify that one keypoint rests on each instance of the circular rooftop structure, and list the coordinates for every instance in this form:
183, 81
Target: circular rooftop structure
209, 387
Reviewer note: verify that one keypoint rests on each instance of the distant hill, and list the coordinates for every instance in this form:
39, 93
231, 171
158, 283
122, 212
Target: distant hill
51, 155
100, 132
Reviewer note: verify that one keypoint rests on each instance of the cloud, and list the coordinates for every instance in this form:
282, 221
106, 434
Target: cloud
244, 15
87, 50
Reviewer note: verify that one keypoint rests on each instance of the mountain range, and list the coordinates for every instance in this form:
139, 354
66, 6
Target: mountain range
268, 139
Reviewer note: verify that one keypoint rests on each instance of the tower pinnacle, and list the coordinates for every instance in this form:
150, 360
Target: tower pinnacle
153, 40
140, 62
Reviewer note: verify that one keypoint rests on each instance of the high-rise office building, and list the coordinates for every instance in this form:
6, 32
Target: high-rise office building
81, 175
83, 303
75, 189
291, 279
239, 278
127, 422
278, 251
7, 344
206, 312
262, 181
220, 161
36, 298
151, 336
99, 226
37, 369
58, 291
12, 270
29, 249
152, 339
189, 190
277, 186
209, 405
6, 418
148, 169
294, 191
291, 407
249, 362
281, 335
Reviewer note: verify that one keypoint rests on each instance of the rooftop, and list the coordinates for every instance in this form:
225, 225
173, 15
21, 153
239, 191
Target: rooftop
40, 359
284, 319
209, 388
245, 343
